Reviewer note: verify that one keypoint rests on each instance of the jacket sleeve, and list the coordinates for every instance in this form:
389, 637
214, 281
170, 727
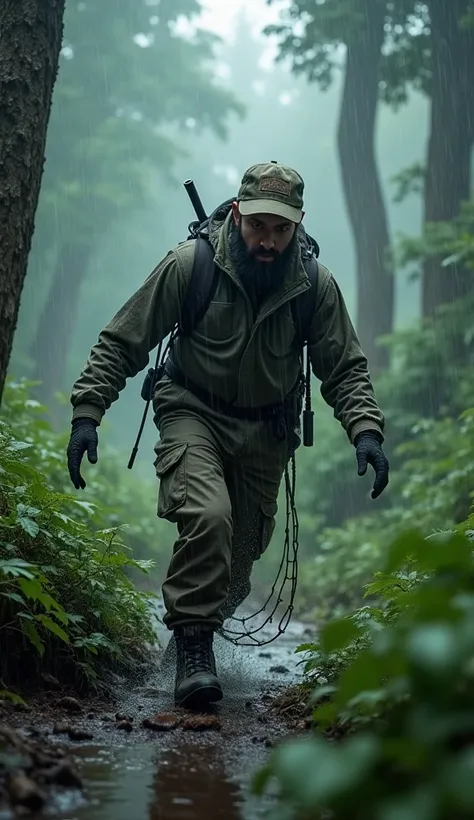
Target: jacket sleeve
123, 347
338, 361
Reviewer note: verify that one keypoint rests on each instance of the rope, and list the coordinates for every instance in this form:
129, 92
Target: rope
289, 563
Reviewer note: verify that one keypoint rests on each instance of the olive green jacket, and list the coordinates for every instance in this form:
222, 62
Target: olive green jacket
245, 359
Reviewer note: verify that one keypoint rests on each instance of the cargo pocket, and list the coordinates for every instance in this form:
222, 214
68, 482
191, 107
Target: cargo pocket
170, 466
268, 511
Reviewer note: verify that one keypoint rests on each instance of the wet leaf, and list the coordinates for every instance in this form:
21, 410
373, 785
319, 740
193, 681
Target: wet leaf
32, 633
436, 649
53, 627
420, 804
364, 674
17, 567
338, 634
30, 526
409, 544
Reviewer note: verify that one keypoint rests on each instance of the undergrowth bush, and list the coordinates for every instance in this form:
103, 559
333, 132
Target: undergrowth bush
397, 683
67, 604
433, 488
428, 385
115, 495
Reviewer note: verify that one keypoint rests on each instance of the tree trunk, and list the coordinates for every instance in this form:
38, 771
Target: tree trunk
51, 346
361, 184
30, 44
450, 143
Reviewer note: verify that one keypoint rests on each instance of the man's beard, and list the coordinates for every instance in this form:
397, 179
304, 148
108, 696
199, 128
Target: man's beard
256, 276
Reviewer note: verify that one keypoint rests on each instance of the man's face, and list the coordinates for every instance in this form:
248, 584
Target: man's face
265, 235
261, 248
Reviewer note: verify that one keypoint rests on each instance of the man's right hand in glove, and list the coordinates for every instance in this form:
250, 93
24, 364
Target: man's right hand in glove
83, 437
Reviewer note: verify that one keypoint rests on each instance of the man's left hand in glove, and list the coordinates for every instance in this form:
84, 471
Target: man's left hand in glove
368, 446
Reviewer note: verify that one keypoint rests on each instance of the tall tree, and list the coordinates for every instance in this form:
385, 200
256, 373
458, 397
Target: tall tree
314, 46
448, 165
431, 50
31, 35
361, 181
128, 84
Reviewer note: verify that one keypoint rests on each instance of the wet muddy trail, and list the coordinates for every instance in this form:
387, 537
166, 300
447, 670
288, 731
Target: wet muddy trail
179, 771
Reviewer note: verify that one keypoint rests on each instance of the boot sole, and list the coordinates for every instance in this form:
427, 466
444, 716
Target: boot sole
200, 697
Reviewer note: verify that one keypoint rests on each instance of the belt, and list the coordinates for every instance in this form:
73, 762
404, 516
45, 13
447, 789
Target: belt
266, 412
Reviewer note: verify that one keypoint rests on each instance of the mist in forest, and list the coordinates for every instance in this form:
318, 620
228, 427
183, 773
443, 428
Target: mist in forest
373, 111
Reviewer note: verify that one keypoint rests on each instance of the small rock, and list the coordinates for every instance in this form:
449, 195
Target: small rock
150, 693
279, 670
24, 792
71, 704
200, 722
124, 724
50, 681
75, 733
107, 717
61, 728
161, 723
44, 761
265, 654
64, 775
121, 717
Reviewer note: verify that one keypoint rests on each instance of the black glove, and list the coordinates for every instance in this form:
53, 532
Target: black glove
368, 446
83, 437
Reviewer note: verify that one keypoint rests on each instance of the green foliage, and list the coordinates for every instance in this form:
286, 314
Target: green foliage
468, 19
402, 693
127, 83
310, 34
434, 486
121, 498
64, 585
430, 440
409, 181
454, 241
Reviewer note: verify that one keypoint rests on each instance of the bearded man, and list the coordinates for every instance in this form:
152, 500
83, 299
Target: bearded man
218, 459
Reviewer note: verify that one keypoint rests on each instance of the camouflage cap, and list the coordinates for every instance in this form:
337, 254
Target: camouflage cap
271, 188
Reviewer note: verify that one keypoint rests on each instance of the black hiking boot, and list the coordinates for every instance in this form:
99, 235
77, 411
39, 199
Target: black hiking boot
197, 684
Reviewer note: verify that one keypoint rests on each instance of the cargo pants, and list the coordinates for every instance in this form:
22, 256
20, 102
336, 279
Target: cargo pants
219, 479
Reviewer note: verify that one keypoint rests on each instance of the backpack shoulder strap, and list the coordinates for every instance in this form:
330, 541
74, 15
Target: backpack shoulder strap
202, 286
304, 305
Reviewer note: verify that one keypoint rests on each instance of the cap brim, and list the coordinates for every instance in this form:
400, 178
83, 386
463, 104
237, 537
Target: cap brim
249, 207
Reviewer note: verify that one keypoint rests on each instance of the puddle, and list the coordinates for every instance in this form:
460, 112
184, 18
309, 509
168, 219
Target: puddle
187, 782
186, 775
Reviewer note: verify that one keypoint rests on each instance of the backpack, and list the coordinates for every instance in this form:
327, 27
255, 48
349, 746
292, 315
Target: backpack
201, 289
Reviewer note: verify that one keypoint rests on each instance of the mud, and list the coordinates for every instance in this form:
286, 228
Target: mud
140, 757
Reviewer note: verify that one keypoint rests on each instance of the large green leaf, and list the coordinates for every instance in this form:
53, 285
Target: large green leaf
53, 627
17, 567
32, 633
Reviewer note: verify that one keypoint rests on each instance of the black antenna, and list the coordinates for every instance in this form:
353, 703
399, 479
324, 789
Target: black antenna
195, 200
